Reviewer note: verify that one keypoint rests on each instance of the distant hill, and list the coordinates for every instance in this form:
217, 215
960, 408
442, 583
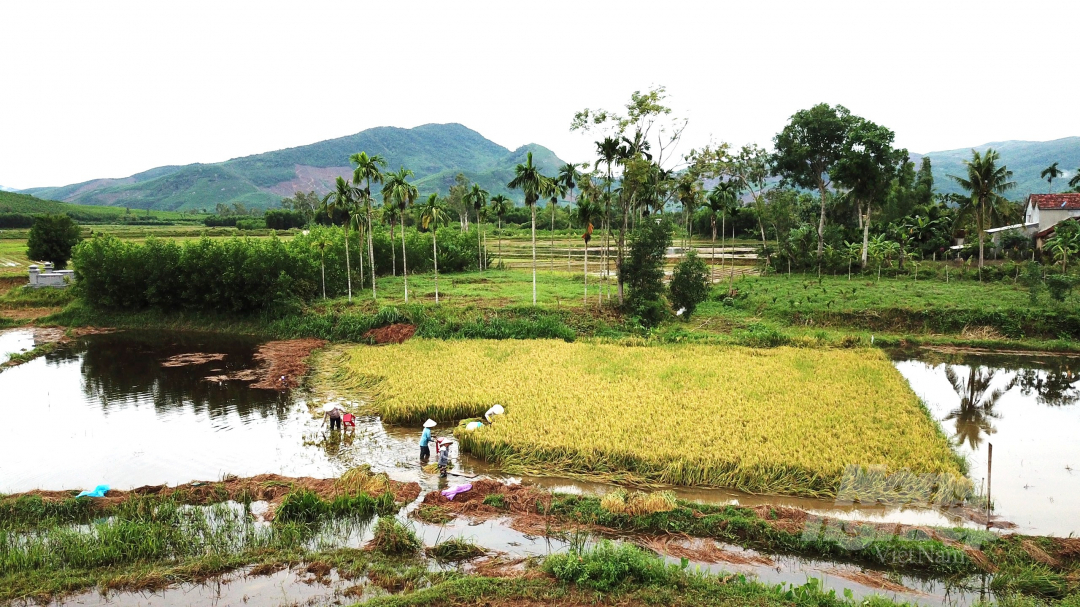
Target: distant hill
6, 189
434, 152
14, 202
1026, 159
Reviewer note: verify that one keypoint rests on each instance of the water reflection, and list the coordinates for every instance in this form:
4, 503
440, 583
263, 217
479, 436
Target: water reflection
972, 418
1026, 406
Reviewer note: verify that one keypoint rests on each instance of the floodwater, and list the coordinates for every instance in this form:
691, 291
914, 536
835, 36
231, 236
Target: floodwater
1028, 408
15, 341
103, 410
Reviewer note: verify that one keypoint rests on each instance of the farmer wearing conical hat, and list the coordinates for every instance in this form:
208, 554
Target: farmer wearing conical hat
425, 438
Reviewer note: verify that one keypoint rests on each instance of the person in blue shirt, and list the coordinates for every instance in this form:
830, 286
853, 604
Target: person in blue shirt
425, 438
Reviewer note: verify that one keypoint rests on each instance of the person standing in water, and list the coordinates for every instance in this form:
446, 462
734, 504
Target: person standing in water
444, 457
425, 438
333, 412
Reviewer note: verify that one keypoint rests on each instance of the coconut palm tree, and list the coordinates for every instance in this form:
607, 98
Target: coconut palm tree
368, 171
477, 198
986, 182
343, 198
500, 205
1051, 173
533, 185
431, 215
1074, 182
587, 210
976, 406
320, 239
398, 191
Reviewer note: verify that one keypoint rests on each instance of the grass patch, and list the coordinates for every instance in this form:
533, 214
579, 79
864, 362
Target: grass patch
393, 538
783, 420
455, 550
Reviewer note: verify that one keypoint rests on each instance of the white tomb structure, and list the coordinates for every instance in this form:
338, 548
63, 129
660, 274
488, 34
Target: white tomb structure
58, 279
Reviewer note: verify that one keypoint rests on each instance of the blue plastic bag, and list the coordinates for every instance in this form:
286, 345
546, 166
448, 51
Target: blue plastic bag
98, 491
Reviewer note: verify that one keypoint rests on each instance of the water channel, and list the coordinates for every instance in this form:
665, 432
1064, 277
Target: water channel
103, 409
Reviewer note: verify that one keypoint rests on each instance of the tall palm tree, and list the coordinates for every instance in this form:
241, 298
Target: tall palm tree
721, 199
477, 198
343, 198
607, 151
687, 191
586, 212
389, 217
1051, 173
556, 191
431, 215
568, 178
321, 240
986, 182
533, 185
367, 170
398, 191
500, 205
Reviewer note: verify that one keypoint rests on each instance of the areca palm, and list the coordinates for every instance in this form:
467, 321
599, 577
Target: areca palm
532, 183
500, 205
721, 200
477, 198
607, 151
343, 198
555, 190
398, 191
321, 240
368, 171
431, 215
687, 190
986, 182
1051, 173
587, 210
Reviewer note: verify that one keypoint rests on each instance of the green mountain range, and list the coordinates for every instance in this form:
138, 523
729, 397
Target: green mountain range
1026, 159
434, 152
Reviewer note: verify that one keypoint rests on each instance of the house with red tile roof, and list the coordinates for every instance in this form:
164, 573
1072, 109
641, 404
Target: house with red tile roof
1044, 211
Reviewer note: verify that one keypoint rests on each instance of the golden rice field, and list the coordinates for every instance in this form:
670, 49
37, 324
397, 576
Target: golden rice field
781, 420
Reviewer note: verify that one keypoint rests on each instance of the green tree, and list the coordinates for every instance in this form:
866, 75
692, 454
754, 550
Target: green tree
688, 191
867, 166
51, 238
644, 272
555, 191
1074, 181
532, 183
398, 191
1051, 173
343, 199
807, 150
500, 206
751, 167
689, 284
306, 204
368, 170
985, 181
587, 211
607, 151
431, 215
1064, 242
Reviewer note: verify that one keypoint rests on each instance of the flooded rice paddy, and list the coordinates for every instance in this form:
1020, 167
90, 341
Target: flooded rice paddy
105, 410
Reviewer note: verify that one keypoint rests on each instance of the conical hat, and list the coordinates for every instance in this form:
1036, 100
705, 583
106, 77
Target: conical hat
430, 423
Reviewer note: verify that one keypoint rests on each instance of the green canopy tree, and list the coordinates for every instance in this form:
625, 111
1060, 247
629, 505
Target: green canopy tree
808, 149
398, 191
985, 181
343, 198
51, 238
432, 213
368, 170
533, 185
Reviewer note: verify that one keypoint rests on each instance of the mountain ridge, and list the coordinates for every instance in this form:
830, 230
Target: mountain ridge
434, 152
1026, 159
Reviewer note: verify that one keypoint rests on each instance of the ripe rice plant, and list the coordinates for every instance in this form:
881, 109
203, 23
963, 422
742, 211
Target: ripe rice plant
782, 420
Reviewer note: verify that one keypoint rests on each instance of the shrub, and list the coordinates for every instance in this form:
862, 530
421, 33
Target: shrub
689, 284
281, 219
643, 272
16, 220
52, 238
250, 224
1059, 286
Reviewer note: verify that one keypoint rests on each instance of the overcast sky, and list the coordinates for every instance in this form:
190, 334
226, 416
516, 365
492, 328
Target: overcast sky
100, 89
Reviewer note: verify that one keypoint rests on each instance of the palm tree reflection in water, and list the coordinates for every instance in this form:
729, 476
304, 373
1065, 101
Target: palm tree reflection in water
973, 417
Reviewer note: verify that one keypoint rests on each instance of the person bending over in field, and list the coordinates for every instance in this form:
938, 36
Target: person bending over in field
444, 457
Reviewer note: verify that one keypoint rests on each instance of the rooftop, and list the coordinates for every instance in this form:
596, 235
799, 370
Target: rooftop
1056, 201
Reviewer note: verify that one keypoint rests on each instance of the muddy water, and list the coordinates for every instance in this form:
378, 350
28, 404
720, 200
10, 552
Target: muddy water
103, 410
15, 341
1028, 408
